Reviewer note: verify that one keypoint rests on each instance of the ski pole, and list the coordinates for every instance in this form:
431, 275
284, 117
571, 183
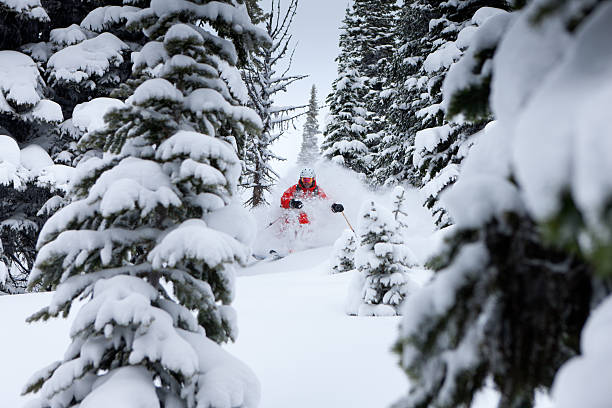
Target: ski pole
273, 222
349, 224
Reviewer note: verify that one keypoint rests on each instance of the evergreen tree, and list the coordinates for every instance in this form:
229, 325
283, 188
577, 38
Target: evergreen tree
309, 153
137, 241
343, 258
346, 131
89, 57
263, 83
28, 123
521, 283
441, 144
421, 146
357, 116
376, 36
406, 86
384, 262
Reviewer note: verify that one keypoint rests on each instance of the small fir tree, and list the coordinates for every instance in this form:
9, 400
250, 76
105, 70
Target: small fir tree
137, 241
343, 258
384, 262
399, 206
309, 152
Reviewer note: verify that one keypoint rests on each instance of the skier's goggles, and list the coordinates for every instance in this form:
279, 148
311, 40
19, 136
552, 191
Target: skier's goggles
307, 179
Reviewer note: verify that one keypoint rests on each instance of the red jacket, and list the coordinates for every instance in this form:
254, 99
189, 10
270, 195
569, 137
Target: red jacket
299, 192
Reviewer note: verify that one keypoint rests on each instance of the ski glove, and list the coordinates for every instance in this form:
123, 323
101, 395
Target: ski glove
337, 208
295, 204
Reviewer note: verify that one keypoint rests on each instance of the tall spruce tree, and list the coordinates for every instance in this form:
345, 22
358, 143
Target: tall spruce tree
358, 117
309, 152
377, 41
441, 143
406, 83
346, 131
137, 241
520, 282
263, 82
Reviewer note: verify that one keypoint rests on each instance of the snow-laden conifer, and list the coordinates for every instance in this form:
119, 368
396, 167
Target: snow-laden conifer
441, 142
263, 82
28, 133
343, 257
358, 98
527, 260
309, 152
346, 131
393, 162
383, 261
137, 242
375, 35
90, 56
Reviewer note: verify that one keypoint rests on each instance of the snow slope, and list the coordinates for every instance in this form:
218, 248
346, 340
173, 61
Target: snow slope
306, 351
293, 334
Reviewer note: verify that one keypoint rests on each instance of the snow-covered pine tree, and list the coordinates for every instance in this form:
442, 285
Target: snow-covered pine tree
90, 57
346, 131
343, 258
376, 38
406, 86
142, 241
384, 261
309, 152
28, 122
263, 82
84, 54
530, 253
441, 144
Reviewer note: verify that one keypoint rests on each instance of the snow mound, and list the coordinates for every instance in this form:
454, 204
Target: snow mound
102, 18
157, 88
34, 158
89, 116
64, 37
9, 150
20, 81
94, 57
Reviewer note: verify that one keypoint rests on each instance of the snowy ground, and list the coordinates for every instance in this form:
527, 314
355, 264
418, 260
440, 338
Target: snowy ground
293, 333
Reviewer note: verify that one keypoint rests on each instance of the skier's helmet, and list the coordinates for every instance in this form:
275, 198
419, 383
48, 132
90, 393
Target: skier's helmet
307, 173
307, 177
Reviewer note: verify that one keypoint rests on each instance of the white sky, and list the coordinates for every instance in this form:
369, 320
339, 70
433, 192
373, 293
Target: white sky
315, 31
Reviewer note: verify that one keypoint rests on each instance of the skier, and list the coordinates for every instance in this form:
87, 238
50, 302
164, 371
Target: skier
305, 189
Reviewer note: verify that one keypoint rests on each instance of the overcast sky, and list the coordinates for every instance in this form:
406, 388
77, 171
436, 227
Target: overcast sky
315, 32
